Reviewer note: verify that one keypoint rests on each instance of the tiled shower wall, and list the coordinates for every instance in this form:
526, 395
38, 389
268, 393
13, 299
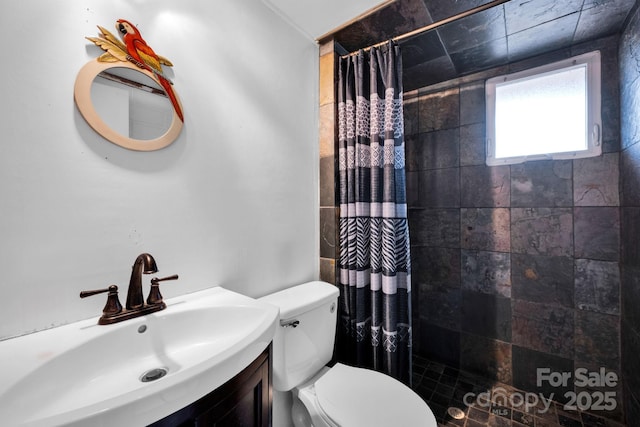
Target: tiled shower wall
513, 267
630, 214
328, 215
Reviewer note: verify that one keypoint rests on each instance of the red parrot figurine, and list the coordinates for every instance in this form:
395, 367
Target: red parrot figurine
143, 56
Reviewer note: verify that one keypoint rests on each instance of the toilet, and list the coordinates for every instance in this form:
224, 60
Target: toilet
338, 396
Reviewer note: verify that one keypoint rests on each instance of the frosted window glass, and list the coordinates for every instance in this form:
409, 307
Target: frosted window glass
542, 114
548, 112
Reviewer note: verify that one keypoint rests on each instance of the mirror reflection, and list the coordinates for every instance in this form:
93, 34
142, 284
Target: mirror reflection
131, 103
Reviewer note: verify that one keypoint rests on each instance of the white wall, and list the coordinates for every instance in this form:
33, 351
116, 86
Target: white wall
233, 202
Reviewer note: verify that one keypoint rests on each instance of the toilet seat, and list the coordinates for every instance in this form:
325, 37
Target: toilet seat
352, 397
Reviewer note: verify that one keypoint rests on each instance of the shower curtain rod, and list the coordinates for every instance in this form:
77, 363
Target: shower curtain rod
431, 26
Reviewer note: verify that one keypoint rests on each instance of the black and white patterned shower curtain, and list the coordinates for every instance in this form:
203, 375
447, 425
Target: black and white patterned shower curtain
375, 289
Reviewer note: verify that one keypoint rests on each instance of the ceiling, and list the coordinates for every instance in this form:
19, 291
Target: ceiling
316, 18
509, 32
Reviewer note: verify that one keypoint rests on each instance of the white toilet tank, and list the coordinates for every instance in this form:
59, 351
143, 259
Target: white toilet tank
303, 343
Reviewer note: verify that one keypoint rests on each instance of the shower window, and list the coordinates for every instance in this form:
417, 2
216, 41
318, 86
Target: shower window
548, 112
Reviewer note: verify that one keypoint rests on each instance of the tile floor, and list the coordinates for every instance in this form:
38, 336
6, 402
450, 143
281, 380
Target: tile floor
443, 387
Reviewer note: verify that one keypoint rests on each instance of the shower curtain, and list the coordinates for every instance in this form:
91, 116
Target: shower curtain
374, 266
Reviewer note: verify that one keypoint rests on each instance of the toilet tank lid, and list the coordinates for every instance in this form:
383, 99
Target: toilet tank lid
302, 298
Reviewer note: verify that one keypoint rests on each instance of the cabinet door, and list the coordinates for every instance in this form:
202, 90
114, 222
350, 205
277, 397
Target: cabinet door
247, 405
243, 401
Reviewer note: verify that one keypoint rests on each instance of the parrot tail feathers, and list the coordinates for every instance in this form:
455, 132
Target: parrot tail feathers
172, 96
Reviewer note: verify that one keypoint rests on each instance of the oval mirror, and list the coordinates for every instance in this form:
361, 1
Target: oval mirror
131, 103
125, 105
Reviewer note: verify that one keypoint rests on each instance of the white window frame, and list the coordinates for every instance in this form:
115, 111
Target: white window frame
593, 131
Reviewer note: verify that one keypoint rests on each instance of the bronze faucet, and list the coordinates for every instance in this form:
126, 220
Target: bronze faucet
143, 264
113, 311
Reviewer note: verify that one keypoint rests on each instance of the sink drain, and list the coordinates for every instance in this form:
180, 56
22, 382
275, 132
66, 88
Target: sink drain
455, 413
153, 374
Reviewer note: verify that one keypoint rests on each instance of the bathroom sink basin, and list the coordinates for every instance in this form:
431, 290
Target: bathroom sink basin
87, 374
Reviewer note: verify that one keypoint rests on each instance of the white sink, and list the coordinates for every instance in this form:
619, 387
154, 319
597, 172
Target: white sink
87, 374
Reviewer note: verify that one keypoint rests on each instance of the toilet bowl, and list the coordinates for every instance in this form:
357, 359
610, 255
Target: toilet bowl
338, 396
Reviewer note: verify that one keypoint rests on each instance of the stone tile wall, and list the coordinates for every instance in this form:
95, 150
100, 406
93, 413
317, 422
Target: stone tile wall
630, 216
516, 267
329, 241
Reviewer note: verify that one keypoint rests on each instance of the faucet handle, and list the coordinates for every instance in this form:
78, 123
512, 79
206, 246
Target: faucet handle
156, 280
112, 288
155, 297
113, 306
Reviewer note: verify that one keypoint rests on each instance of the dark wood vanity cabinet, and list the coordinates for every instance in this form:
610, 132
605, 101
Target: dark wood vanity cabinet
243, 401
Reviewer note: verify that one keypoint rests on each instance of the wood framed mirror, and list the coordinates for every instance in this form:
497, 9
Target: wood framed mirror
114, 129
124, 94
